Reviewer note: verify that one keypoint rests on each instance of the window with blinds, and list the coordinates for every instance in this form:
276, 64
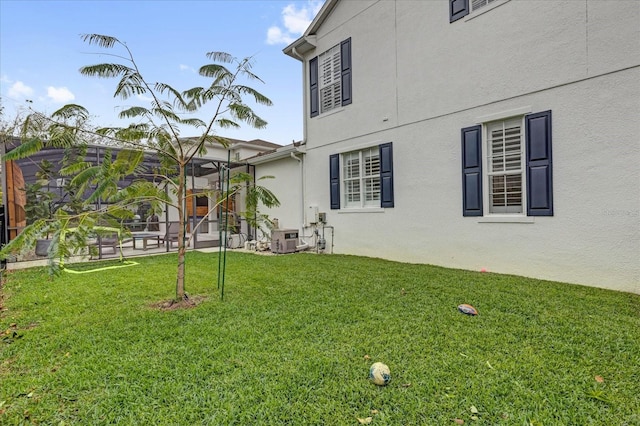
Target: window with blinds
330, 79
505, 168
477, 4
361, 178
352, 178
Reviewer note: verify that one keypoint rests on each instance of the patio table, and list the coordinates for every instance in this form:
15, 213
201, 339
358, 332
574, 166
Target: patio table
145, 238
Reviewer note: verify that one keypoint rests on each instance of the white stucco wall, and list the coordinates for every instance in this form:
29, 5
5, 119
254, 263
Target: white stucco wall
287, 187
418, 79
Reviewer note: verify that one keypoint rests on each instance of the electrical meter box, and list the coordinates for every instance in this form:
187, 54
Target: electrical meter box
284, 240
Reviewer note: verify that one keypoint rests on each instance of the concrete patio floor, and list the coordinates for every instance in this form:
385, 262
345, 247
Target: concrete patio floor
206, 243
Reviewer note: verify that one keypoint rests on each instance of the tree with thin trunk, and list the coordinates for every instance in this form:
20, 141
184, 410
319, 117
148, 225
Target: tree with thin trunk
156, 128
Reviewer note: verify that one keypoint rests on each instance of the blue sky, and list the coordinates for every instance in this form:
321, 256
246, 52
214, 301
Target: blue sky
41, 52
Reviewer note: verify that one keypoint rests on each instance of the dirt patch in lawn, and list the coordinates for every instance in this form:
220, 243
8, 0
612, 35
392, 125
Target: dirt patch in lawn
188, 302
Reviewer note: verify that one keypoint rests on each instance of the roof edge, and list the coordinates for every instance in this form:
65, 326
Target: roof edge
308, 41
277, 154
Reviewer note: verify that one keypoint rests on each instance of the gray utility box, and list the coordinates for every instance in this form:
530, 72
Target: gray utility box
284, 240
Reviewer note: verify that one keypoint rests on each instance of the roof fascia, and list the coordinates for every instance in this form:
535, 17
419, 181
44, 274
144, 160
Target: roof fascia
322, 15
300, 47
278, 154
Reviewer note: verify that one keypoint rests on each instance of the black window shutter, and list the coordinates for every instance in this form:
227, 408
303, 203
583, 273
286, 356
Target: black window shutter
472, 171
458, 9
539, 166
313, 85
334, 180
345, 62
386, 175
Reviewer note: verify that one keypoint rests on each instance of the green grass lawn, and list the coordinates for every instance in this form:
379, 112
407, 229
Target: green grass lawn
293, 340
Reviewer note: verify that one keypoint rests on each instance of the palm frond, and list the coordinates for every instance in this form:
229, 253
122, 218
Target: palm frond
107, 131
136, 111
100, 40
251, 76
26, 149
142, 191
132, 133
265, 196
166, 114
62, 136
226, 123
106, 70
244, 113
74, 168
193, 122
215, 139
215, 71
26, 239
178, 100
221, 57
129, 161
257, 96
130, 84
71, 111
86, 177
105, 190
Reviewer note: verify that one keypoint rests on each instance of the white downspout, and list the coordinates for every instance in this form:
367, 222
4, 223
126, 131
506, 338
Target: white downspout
301, 167
304, 142
304, 94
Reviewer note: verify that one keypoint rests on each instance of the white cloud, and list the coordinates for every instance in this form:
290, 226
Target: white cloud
5, 79
19, 90
295, 21
186, 68
145, 98
60, 94
275, 36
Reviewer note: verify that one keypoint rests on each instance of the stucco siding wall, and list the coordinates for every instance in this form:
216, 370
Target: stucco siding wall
287, 187
593, 237
410, 63
419, 79
373, 50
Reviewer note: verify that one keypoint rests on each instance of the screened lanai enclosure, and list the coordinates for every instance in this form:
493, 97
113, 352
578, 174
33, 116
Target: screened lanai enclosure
33, 186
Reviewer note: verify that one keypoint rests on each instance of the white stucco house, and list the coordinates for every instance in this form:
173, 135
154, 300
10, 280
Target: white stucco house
496, 134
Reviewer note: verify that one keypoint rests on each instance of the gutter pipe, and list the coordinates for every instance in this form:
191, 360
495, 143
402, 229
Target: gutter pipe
300, 163
305, 107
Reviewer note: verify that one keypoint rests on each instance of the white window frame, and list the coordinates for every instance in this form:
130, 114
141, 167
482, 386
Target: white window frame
330, 79
488, 172
361, 187
485, 7
479, 4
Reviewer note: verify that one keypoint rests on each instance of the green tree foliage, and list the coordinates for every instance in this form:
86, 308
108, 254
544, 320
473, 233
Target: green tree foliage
154, 128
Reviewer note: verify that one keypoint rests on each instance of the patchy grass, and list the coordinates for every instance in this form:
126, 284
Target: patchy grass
294, 338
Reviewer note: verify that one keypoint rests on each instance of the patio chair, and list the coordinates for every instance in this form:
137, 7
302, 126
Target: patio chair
172, 233
110, 242
153, 223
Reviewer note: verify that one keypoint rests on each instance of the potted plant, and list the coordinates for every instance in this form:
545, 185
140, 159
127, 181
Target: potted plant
48, 196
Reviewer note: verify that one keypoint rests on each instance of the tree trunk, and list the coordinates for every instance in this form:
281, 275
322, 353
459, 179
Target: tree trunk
180, 292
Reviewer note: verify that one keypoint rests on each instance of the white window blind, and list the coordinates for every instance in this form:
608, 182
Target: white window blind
505, 167
371, 176
352, 179
361, 178
330, 79
477, 4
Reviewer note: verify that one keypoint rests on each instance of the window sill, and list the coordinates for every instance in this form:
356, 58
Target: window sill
330, 112
506, 219
361, 210
485, 9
